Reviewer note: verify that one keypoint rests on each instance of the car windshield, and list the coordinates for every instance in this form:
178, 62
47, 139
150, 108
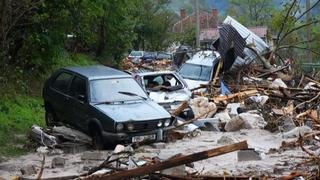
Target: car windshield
112, 90
136, 53
195, 72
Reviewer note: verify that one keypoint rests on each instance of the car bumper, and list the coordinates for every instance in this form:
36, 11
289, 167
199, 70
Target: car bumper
127, 137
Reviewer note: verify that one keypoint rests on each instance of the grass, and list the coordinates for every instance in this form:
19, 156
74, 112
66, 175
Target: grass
17, 114
21, 104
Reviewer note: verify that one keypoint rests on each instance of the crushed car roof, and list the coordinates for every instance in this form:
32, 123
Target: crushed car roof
98, 72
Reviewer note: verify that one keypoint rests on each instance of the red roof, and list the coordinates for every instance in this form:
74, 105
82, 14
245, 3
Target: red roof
213, 33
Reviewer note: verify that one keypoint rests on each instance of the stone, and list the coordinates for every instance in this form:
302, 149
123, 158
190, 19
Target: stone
248, 155
208, 124
175, 171
223, 116
28, 169
296, 131
288, 124
93, 155
119, 148
253, 121
235, 124
261, 100
232, 108
278, 83
225, 140
58, 162
159, 145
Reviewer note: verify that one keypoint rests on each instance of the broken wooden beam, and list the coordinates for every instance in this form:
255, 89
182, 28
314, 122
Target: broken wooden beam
144, 170
235, 95
180, 109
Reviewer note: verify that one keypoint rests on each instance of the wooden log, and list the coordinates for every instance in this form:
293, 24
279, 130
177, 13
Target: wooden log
182, 107
140, 171
235, 95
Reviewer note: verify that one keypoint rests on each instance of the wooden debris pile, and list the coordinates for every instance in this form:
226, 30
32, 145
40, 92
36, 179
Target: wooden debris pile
155, 65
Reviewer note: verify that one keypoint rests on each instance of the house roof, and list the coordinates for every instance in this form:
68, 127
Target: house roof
213, 33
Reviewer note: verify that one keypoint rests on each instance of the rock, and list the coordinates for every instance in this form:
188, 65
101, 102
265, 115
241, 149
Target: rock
159, 145
259, 99
232, 108
175, 171
201, 105
248, 155
223, 117
296, 131
225, 140
288, 124
235, 124
119, 148
58, 162
94, 155
278, 83
253, 121
42, 150
29, 169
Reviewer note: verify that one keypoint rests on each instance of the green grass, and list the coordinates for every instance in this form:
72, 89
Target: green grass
17, 114
21, 103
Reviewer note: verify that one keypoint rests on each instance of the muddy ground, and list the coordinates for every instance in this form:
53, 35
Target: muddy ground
273, 162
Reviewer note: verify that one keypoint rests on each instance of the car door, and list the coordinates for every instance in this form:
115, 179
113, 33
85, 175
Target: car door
79, 102
59, 96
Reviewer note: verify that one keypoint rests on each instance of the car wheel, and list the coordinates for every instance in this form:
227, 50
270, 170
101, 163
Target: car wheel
97, 140
50, 118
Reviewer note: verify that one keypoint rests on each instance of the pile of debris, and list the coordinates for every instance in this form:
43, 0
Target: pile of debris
155, 65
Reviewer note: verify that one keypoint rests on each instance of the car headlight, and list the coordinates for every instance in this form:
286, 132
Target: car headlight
130, 127
119, 127
159, 124
167, 122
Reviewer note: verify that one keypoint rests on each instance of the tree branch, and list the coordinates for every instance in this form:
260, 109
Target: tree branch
306, 11
297, 28
285, 20
298, 47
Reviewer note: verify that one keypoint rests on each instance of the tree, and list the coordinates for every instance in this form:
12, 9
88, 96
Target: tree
251, 12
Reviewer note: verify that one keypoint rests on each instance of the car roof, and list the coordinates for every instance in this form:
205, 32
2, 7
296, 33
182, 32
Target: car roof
204, 58
98, 72
155, 73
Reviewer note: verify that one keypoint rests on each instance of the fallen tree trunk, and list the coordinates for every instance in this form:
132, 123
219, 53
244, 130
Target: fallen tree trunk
144, 170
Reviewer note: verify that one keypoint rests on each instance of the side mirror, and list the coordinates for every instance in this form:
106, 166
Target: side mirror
81, 98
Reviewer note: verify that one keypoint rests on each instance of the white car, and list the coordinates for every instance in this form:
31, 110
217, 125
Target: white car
200, 68
167, 88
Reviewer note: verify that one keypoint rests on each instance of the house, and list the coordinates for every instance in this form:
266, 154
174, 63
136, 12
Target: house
209, 22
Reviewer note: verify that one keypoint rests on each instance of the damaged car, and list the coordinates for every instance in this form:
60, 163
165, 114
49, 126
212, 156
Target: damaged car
105, 103
167, 88
200, 68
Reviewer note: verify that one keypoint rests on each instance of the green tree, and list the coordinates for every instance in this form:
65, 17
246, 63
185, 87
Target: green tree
251, 12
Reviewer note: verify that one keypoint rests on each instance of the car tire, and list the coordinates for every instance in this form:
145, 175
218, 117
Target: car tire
97, 140
50, 118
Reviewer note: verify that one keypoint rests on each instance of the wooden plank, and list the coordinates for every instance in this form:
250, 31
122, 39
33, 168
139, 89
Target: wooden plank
177, 161
235, 95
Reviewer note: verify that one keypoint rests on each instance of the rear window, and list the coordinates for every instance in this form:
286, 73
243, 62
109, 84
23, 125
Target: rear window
61, 83
136, 53
195, 72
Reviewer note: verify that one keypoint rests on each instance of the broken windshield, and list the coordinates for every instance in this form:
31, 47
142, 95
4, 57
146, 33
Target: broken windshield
195, 72
107, 90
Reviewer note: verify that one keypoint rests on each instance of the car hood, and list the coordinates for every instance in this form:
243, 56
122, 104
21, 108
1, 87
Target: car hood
194, 83
134, 111
170, 97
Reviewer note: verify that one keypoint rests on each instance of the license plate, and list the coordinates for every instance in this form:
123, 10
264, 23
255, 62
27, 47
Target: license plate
142, 138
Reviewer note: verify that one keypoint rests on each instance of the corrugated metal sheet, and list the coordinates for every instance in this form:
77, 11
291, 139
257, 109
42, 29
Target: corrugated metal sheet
250, 37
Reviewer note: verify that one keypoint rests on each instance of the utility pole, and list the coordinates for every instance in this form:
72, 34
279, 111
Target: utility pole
197, 23
309, 31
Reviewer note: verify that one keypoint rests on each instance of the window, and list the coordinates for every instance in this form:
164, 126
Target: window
62, 82
195, 72
78, 87
109, 90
